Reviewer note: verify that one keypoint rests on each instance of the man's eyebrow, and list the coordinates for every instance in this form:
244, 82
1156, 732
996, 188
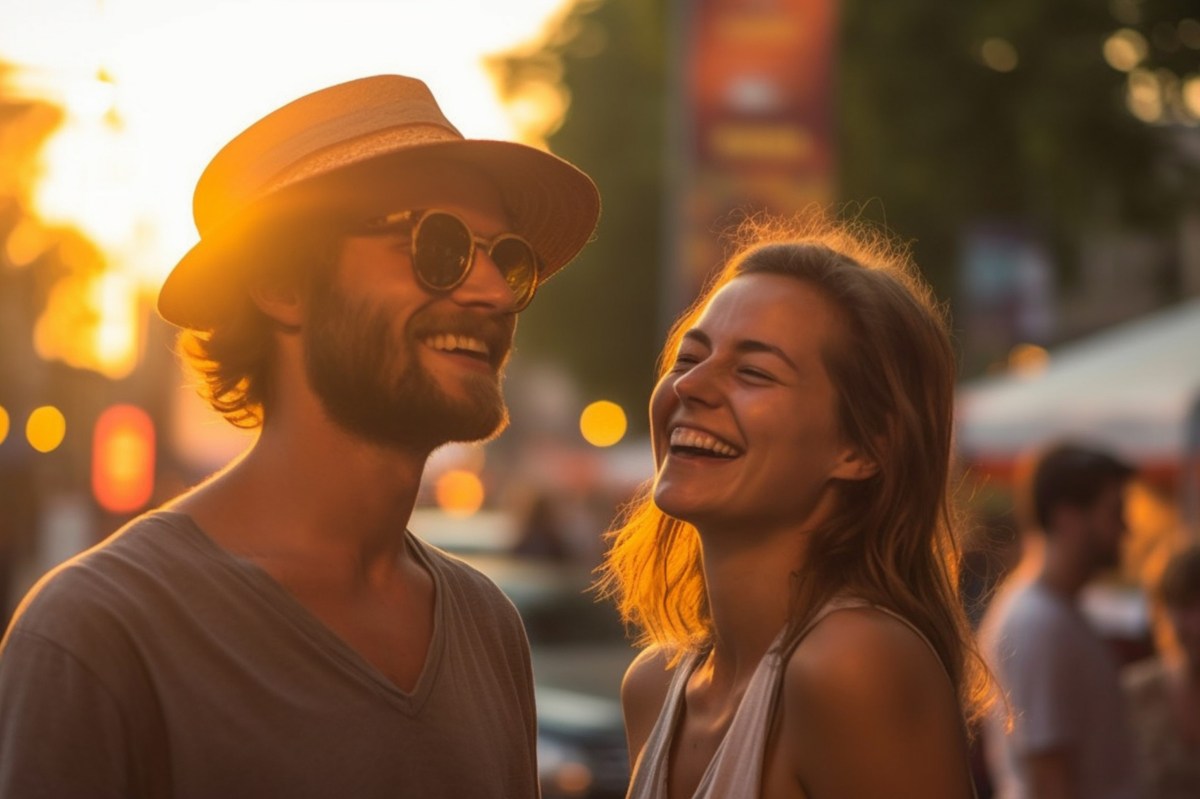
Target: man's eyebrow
745, 345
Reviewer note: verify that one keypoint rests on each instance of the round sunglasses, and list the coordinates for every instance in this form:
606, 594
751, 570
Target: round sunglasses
443, 251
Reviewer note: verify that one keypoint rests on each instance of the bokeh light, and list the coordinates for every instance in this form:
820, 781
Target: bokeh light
603, 423
1144, 96
1028, 360
3, 424
91, 322
999, 54
46, 428
1125, 49
1191, 96
459, 492
123, 459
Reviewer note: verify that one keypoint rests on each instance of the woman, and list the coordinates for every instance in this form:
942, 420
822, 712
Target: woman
792, 567
1164, 692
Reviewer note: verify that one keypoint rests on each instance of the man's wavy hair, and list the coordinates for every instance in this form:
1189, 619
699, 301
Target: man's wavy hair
892, 538
234, 360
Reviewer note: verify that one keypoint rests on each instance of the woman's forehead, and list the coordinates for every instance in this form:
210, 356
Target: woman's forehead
768, 304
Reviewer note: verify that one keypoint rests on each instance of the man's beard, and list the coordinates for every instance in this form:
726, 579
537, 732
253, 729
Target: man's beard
371, 382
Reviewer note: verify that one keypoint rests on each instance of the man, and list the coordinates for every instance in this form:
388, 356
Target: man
1069, 735
276, 632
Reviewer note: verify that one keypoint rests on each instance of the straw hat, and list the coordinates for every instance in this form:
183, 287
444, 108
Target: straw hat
340, 152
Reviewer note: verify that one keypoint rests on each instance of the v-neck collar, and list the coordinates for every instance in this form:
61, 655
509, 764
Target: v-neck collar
305, 622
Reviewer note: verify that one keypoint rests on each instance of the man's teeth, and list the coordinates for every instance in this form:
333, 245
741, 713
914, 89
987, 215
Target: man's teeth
695, 439
449, 342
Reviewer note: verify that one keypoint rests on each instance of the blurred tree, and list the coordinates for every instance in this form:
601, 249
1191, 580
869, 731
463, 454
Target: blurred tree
951, 113
948, 114
600, 315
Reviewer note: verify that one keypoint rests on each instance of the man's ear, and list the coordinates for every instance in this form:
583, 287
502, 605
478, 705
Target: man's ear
280, 300
854, 464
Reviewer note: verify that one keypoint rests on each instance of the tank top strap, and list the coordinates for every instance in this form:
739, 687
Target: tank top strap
736, 767
649, 778
839, 602
843, 602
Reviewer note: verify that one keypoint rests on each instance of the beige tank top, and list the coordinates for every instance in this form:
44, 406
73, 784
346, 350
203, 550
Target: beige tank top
735, 771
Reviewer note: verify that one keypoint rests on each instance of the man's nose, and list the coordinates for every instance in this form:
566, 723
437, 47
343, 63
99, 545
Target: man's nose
485, 286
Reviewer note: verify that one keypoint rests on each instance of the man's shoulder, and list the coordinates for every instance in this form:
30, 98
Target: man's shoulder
457, 574
1026, 604
1023, 619
104, 580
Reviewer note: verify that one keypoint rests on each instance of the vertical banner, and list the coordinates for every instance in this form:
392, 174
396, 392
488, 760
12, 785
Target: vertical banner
755, 99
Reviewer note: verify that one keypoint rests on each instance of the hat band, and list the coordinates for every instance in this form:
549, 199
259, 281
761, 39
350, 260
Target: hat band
350, 152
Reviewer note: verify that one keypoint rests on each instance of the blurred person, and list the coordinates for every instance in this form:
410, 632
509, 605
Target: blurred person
1164, 691
792, 567
276, 631
541, 536
1065, 732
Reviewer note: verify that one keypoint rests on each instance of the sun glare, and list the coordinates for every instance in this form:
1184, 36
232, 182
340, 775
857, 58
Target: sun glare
152, 90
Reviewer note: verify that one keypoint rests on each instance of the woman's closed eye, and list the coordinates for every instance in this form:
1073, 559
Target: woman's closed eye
684, 361
755, 373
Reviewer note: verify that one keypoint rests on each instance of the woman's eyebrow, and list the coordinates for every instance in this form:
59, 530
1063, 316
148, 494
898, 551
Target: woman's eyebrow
745, 345
754, 345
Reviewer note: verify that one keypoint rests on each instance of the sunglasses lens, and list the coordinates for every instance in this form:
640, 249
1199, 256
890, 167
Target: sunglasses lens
518, 264
441, 250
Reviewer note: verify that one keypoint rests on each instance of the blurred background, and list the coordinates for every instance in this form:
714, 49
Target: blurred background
1042, 159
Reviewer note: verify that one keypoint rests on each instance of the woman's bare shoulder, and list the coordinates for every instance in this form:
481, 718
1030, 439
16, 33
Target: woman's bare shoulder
643, 693
864, 699
865, 653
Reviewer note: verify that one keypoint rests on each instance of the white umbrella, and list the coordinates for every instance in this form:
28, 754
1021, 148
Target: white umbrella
1133, 387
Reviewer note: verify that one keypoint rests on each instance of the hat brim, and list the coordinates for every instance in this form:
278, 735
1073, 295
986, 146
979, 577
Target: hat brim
550, 202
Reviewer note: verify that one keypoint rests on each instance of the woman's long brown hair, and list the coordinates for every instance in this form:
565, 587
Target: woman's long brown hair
892, 539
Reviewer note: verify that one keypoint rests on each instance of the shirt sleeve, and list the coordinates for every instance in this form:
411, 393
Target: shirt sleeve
61, 731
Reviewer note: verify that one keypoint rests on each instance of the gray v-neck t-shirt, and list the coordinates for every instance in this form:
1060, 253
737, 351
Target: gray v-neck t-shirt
159, 665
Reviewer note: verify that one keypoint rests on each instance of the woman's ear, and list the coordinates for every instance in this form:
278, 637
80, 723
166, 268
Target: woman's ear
854, 464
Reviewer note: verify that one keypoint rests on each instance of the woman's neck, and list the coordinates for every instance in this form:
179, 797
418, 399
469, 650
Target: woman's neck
749, 585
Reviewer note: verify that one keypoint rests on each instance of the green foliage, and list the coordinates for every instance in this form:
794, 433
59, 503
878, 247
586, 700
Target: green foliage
942, 139
599, 315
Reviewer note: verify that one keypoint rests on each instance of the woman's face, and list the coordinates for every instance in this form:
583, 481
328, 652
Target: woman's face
744, 424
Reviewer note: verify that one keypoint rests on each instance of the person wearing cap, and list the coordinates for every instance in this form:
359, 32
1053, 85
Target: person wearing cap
1063, 731
277, 631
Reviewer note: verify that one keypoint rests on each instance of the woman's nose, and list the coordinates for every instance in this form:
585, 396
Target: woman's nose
698, 384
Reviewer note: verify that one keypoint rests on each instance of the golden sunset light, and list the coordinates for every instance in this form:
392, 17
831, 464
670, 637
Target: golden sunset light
151, 90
